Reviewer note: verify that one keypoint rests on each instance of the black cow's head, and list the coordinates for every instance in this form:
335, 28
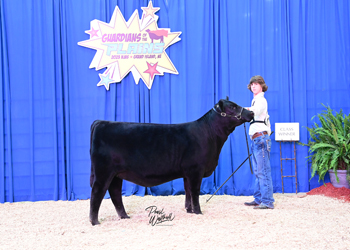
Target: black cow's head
237, 114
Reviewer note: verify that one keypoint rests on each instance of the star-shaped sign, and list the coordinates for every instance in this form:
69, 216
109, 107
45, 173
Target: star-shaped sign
152, 69
105, 81
92, 32
136, 46
150, 10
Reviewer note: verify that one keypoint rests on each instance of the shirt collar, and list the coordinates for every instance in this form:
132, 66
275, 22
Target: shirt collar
259, 95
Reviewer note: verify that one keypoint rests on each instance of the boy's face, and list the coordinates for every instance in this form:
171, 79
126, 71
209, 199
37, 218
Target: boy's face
256, 88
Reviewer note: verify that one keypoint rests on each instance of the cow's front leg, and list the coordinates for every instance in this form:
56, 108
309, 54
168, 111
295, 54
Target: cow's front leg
188, 201
115, 191
195, 186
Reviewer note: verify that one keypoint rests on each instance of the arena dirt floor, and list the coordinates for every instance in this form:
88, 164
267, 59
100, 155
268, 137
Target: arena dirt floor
299, 221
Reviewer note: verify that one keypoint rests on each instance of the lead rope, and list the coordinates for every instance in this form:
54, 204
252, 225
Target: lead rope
229, 177
246, 139
250, 164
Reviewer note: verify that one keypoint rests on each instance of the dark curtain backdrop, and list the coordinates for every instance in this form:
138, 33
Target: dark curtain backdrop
50, 98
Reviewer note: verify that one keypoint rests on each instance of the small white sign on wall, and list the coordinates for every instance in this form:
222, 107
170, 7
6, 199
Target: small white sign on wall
287, 131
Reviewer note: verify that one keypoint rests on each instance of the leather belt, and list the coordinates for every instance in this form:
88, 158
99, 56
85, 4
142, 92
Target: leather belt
259, 134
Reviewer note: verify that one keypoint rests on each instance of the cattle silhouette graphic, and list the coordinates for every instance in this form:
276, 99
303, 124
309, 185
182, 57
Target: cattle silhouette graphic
157, 34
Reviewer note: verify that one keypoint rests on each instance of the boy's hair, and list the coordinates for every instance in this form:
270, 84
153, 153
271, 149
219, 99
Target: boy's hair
259, 80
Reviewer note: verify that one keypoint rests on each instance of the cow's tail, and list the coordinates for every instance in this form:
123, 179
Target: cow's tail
92, 129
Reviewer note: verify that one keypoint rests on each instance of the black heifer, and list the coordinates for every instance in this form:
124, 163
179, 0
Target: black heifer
152, 154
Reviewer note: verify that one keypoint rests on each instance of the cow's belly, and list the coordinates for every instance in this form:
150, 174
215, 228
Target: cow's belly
148, 180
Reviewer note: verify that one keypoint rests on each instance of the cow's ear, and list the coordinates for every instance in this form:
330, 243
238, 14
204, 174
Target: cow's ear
227, 98
221, 104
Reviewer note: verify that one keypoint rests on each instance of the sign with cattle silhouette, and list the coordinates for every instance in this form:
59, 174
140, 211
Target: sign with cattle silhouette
136, 46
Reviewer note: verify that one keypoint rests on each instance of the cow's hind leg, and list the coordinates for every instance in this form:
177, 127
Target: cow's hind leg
115, 191
188, 201
98, 191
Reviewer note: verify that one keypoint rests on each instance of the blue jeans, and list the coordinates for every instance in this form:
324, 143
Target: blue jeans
263, 189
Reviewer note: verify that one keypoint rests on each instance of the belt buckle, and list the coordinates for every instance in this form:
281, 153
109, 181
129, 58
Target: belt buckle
258, 134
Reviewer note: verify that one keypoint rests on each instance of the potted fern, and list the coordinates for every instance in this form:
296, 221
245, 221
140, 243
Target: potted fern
329, 146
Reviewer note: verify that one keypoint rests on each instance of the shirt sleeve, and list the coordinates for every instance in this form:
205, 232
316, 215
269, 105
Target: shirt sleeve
259, 106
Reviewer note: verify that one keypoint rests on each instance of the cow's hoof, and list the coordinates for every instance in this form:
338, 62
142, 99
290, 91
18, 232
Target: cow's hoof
198, 212
189, 211
95, 222
125, 217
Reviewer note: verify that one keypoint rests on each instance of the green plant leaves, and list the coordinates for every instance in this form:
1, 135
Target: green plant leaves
329, 143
